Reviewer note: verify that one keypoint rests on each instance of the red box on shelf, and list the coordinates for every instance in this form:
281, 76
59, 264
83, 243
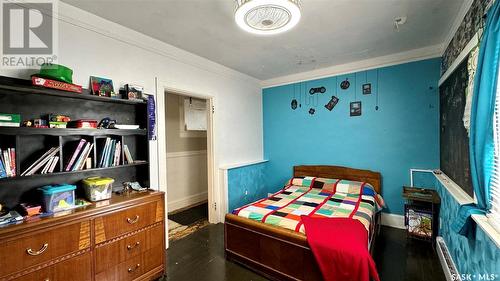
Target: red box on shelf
83, 124
47, 83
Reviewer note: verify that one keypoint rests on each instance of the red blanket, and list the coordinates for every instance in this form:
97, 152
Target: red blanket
340, 248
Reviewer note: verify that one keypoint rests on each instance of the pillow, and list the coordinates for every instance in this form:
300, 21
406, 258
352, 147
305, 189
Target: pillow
320, 183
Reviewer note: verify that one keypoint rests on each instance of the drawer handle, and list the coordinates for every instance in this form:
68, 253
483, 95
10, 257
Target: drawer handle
130, 269
36, 253
130, 247
134, 220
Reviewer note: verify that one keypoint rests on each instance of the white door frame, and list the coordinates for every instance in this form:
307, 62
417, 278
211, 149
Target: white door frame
214, 192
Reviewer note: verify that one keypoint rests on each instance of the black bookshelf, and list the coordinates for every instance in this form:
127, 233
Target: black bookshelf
18, 96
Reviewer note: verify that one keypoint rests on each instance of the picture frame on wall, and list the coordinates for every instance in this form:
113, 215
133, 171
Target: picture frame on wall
332, 103
367, 89
355, 108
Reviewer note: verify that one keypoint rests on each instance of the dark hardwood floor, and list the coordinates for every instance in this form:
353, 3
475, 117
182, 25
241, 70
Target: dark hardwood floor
191, 215
200, 256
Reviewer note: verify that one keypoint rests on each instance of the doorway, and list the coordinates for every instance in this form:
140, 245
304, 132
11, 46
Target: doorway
186, 126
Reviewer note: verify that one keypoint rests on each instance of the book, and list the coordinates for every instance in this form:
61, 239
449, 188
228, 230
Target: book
6, 161
80, 158
38, 160
118, 149
47, 166
3, 173
85, 158
54, 164
128, 155
75, 155
9, 124
103, 153
12, 154
111, 154
41, 161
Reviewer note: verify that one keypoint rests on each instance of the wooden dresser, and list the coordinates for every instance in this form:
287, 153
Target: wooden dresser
118, 239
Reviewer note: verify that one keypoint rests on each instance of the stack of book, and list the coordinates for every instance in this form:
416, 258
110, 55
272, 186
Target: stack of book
10, 120
110, 154
47, 162
7, 163
80, 158
10, 217
128, 155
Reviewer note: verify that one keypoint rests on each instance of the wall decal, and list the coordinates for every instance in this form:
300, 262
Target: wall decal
355, 108
345, 84
321, 90
296, 103
312, 111
367, 89
376, 94
332, 103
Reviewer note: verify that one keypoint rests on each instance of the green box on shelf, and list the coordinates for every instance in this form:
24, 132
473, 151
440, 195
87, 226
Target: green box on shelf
11, 118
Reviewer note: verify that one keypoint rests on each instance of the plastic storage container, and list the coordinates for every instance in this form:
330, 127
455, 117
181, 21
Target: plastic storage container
97, 188
58, 197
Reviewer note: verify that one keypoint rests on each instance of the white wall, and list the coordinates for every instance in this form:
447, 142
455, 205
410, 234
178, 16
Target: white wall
187, 178
93, 46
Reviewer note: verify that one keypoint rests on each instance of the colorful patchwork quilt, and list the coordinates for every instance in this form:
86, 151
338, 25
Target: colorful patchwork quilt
315, 197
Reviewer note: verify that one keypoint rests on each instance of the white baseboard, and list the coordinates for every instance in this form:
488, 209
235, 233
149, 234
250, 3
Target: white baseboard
393, 220
187, 201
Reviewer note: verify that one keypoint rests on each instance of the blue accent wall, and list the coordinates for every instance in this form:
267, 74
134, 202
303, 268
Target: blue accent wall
246, 184
402, 134
479, 256
424, 180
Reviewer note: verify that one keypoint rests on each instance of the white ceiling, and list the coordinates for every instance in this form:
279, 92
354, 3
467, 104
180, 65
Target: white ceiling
331, 32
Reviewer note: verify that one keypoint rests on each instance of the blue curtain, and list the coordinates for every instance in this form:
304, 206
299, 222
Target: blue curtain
481, 143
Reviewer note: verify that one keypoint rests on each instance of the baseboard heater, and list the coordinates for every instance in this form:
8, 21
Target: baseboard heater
449, 268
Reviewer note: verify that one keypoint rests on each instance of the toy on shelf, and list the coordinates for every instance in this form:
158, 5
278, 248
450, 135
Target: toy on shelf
57, 77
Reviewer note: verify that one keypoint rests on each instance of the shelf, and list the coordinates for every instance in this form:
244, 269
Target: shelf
23, 131
139, 163
21, 86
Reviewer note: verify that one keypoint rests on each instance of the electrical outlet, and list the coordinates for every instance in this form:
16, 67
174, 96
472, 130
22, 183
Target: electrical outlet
246, 192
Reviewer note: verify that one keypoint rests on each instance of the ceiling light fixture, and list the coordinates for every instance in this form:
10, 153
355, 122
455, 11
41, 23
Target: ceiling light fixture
267, 17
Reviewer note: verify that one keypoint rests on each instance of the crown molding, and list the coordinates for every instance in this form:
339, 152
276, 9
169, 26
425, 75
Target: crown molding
456, 24
362, 65
87, 21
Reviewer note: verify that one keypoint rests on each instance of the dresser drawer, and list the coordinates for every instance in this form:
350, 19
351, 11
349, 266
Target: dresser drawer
41, 247
116, 252
75, 269
133, 267
121, 222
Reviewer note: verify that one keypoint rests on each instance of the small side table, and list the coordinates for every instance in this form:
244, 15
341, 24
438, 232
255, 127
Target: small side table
421, 213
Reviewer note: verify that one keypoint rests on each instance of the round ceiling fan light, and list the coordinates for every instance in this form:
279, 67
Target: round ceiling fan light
267, 17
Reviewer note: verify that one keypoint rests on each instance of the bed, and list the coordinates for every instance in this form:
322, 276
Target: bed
275, 250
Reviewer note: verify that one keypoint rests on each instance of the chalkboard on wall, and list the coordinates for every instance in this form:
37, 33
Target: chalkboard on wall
454, 141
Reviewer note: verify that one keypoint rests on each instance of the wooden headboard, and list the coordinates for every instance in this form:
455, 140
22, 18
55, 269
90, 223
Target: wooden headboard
338, 172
